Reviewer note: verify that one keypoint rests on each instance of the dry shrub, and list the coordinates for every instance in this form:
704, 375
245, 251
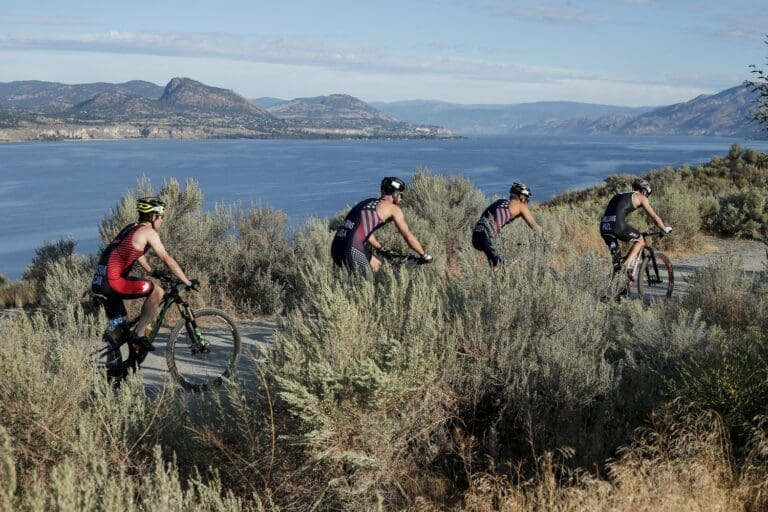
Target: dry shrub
670, 466
18, 294
724, 293
358, 403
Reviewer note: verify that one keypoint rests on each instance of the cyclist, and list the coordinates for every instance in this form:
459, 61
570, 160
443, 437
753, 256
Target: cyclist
348, 247
613, 225
112, 277
499, 214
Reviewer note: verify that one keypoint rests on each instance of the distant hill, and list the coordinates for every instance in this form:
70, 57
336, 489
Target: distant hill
53, 97
497, 119
186, 108
266, 101
185, 105
727, 113
344, 112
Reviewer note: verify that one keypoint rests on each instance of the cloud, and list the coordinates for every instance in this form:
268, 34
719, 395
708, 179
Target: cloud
282, 50
42, 21
562, 13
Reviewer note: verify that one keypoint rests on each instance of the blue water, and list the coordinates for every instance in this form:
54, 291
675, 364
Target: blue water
59, 189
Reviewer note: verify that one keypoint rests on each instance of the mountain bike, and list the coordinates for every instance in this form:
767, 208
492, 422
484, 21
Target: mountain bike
398, 259
654, 273
202, 349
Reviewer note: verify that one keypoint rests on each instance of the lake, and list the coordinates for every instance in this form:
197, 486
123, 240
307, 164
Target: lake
50, 190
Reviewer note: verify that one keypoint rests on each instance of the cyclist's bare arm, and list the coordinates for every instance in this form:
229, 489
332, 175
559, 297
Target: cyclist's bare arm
397, 215
153, 239
144, 263
525, 213
374, 243
651, 213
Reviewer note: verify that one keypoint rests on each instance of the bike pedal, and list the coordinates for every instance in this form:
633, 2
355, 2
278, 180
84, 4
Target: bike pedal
139, 343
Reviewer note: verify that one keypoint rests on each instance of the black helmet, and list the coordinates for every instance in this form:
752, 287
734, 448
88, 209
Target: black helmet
150, 205
390, 185
642, 185
520, 189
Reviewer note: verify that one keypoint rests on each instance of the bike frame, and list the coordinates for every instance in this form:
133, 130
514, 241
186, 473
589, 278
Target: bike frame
646, 253
172, 296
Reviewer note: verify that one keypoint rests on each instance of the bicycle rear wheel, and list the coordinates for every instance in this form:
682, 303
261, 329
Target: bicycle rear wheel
197, 367
655, 281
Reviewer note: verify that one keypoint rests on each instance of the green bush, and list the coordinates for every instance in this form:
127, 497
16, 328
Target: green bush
681, 210
743, 214
731, 381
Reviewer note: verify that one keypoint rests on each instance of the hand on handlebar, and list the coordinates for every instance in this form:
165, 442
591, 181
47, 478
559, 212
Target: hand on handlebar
387, 252
194, 284
667, 230
426, 258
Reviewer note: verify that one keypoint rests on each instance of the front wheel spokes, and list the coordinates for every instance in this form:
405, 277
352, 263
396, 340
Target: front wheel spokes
656, 278
203, 351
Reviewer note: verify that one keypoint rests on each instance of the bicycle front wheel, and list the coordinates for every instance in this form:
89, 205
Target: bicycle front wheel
203, 358
655, 279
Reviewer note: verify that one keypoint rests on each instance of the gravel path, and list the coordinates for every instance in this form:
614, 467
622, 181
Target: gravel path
254, 335
751, 253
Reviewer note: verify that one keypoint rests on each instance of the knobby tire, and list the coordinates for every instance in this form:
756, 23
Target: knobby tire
649, 286
199, 371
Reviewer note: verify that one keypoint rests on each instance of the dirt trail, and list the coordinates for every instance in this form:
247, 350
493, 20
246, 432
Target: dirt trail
751, 253
254, 334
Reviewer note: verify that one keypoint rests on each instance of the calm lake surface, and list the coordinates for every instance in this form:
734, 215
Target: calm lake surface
64, 189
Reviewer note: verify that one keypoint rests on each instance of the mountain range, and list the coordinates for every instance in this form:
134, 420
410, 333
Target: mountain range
185, 108
727, 113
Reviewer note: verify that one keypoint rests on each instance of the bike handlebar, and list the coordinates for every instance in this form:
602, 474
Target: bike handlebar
400, 257
174, 282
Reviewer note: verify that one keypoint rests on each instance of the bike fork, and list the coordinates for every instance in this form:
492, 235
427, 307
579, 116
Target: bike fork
199, 343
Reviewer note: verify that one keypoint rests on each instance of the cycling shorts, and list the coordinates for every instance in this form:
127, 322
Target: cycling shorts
484, 242
351, 256
116, 290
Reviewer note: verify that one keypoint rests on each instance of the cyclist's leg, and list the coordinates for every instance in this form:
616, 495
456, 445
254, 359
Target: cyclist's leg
359, 259
131, 287
638, 242
375, 263
149, 310
485, 243
116, 333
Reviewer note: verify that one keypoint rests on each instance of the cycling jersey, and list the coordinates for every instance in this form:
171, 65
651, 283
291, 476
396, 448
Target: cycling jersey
348, 247
613, 224
495, 217
111, 278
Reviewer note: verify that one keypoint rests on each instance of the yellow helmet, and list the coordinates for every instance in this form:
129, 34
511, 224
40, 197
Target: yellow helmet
150, 205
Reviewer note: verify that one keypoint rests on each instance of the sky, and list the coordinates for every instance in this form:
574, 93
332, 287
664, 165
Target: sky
617, 52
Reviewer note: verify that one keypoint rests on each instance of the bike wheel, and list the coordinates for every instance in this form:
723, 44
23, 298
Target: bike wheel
196, 369
616, 288
655, 281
